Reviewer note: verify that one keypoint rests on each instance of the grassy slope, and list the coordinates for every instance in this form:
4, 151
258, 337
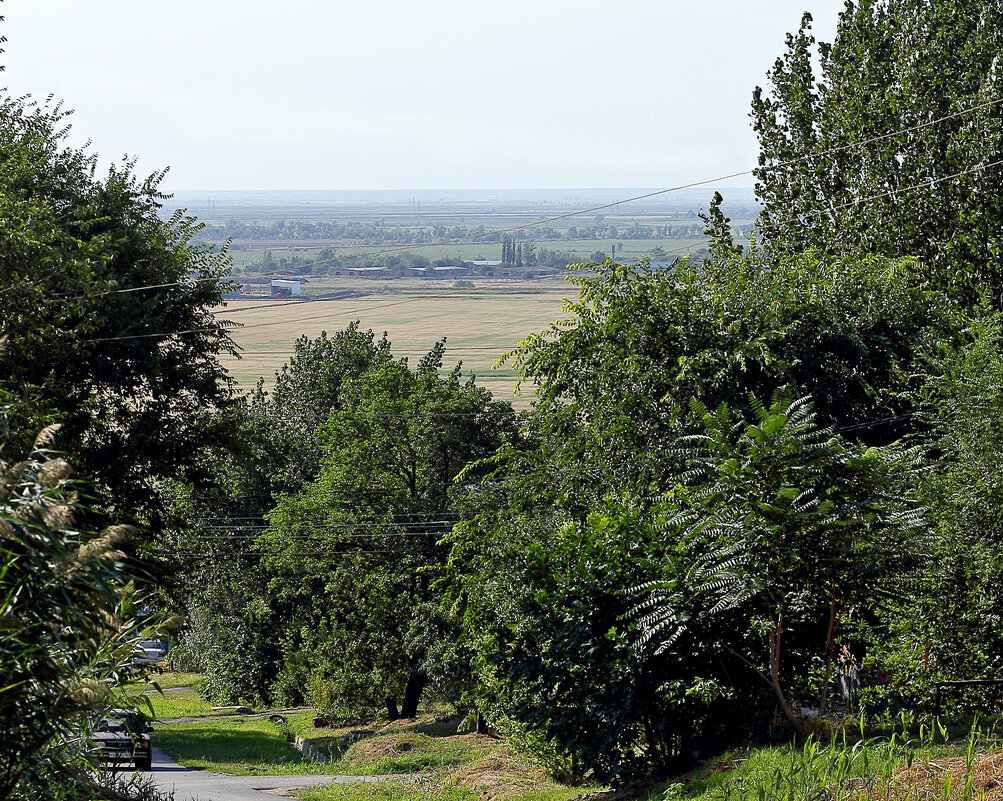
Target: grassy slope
241, 746
450, 767
921, 768
443, 764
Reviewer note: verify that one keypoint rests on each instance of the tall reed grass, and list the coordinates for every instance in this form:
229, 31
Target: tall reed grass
924, 765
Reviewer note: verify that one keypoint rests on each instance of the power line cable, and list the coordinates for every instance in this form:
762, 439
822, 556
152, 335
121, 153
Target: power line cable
891, 193
656, 193
544, 221
491, 482
240, 326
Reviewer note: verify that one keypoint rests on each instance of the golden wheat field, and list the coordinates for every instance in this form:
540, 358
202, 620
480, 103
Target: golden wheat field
479, 325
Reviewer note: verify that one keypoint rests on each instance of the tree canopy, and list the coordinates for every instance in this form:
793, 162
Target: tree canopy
108, 311
889, 140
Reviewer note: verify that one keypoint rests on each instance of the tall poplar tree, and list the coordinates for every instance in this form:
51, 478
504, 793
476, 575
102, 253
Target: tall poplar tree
889, 140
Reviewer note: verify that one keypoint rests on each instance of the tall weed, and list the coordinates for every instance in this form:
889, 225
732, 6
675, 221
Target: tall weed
924, 766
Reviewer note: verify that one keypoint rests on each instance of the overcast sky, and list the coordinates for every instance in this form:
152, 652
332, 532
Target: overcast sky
380, 94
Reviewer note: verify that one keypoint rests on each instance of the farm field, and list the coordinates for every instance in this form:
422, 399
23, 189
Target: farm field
479, 324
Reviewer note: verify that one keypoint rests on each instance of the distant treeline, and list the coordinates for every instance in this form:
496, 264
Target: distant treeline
379, 234
329, 262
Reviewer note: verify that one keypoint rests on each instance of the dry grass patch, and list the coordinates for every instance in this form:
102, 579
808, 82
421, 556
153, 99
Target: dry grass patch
500, 776
411, 751
430, 723
373, 748
946, 779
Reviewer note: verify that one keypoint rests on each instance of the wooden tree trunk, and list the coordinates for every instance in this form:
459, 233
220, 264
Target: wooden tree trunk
824, 692
793, 719
416, 681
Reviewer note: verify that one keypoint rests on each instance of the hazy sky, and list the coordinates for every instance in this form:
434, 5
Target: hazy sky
380, 94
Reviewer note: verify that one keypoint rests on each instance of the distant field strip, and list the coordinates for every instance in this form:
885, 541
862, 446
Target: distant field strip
581, 249
478, 329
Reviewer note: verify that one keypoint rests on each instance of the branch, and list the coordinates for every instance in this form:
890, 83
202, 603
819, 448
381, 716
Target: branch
759, 673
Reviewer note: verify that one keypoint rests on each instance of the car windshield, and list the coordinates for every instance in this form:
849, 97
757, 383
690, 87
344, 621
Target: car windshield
125, 721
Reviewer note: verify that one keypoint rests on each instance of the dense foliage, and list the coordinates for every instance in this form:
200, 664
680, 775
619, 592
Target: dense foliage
741, 478
635, 571
350, 557
68, 628
889, 140
108, 313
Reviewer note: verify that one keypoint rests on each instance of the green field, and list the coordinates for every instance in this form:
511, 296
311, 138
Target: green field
469, 251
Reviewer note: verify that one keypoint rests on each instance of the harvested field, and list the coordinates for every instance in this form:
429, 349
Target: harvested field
479, 327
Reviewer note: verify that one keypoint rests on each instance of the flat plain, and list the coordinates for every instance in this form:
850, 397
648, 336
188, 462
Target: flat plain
579, 249
480, 324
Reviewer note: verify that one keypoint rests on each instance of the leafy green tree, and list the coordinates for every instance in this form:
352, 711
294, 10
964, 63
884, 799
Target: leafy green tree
350, 558
946, 625
109, 313
614, 379
283, 423
278, 450
785, 528
888, 140
539, 597
610, 447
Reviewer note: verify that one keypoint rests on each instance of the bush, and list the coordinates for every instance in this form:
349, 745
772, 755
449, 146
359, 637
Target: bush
69, 633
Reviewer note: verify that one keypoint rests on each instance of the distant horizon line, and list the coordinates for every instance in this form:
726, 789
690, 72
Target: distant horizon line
477, 189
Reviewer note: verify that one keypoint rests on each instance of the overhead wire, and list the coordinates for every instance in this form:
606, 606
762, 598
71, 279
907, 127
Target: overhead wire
319, 533
590, 210
241, 327
483, 483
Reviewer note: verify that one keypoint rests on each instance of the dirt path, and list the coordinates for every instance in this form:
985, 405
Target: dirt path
219, 715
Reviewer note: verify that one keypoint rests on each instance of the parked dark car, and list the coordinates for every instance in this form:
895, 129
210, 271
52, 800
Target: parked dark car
123, 737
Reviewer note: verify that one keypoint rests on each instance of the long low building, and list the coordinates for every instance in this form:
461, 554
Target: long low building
368, 272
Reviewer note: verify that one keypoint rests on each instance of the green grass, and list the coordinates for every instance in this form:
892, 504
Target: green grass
168, 680
553, 793
424, 789
227, 745
429, 743
232, 745
437, 787
184, 704
165, 681
408, 752
427, 758
891, 769
179, 699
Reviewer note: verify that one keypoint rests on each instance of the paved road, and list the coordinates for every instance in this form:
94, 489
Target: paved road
200, 785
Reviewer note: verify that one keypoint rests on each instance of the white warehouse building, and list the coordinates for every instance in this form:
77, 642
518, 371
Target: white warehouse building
283, 288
